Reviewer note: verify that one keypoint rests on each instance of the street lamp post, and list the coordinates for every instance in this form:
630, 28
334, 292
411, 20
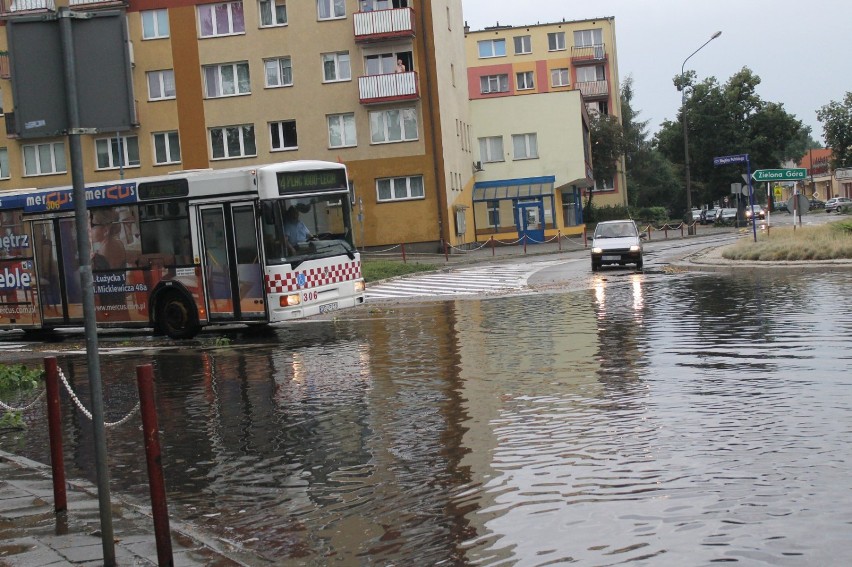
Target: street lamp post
686, 135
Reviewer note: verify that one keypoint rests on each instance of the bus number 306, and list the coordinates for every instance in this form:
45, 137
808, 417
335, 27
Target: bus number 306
310, 296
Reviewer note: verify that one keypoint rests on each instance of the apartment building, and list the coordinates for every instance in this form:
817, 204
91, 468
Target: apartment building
532, 89
378, 85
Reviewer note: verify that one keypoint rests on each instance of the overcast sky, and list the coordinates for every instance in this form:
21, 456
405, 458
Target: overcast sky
802, 51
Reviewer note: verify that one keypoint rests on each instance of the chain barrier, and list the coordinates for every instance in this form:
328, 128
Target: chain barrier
26, 407
86, 412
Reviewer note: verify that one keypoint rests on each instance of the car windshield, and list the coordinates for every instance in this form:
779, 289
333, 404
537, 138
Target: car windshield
615, 230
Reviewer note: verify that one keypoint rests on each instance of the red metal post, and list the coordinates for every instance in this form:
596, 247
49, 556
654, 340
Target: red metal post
403, 253
559, 239
156, 483
666, 231
525, 244
54, 426
649, 232
446, 251
681, 229
585, 240
493, 244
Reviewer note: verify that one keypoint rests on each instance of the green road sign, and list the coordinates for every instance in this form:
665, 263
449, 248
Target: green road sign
780, 174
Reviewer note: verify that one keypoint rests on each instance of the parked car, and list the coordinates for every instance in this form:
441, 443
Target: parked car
836, 203
727, 215
710, 215
816, 204
616, 242
758, 210
780, 207
696, 215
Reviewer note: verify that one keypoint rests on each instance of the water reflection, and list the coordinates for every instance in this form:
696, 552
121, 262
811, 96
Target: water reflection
676, 421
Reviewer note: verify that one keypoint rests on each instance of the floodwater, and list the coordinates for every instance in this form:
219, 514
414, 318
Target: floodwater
679, 420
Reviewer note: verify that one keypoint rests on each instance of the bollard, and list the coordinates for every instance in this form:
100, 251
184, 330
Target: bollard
666, 231
493, 244
525, 244
403, 253
649, 232
585, 239
156, 483
559, 239
446, 251
54, 427
681, 230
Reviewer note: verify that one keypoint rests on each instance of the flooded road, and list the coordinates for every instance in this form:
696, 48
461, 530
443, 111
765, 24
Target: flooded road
653, 420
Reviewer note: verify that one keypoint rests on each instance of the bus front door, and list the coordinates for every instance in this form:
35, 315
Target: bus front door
233, 274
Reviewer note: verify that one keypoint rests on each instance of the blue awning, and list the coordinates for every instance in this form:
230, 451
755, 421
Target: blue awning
527, 187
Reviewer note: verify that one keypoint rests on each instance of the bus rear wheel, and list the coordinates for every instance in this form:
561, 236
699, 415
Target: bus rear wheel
176, 316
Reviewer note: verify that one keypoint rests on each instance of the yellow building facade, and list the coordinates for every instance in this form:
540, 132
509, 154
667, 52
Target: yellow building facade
378, 85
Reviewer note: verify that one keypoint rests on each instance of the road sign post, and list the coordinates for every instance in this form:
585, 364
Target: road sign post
735, 159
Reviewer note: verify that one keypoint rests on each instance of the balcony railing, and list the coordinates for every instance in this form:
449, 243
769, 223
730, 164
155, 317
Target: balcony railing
588, 54
374, 89
594, 88
379, 25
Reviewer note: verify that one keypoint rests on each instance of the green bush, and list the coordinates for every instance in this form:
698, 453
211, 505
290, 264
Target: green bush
656, 215
16, 378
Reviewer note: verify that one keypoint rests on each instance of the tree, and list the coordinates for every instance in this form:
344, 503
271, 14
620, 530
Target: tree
729, 119
651, 179
607, 138
836, 118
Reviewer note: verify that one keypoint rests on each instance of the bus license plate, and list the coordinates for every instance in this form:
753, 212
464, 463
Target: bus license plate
612, 258
328, 307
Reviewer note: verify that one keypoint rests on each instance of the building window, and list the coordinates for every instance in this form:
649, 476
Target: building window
556, 41
492, 48
331, 9
493, 213
161, 84
336, 67
394, 125
523, 44
341, 131
228, 79
44, 159
525, 146
117, 152
560, 78
382, 64
155, 24
491, 149
283, 135
233, 141
590, 74
494, 84
526, 81
221, 19
279, 72
272, 13
166, 148
588, 38
4, 164
400, 188
597, 107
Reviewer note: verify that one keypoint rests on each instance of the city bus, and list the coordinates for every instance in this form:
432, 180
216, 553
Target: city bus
186, 250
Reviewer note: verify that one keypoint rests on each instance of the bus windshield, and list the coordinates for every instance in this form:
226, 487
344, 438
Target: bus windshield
296, 230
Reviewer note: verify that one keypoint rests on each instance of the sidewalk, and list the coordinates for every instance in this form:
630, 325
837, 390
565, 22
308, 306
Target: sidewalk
32, 535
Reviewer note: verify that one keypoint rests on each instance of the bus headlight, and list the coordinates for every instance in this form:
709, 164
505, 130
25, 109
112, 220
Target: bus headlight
360, 286
289, 300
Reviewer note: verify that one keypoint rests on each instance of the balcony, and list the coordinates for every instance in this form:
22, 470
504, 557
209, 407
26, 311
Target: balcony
594, 89
394, 87
18, 7
588, 54
382, 25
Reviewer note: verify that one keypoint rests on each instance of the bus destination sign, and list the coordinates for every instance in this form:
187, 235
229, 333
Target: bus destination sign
301, 181
170, 189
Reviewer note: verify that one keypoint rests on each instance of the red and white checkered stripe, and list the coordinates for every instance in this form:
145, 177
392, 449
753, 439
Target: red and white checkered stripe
315, 277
